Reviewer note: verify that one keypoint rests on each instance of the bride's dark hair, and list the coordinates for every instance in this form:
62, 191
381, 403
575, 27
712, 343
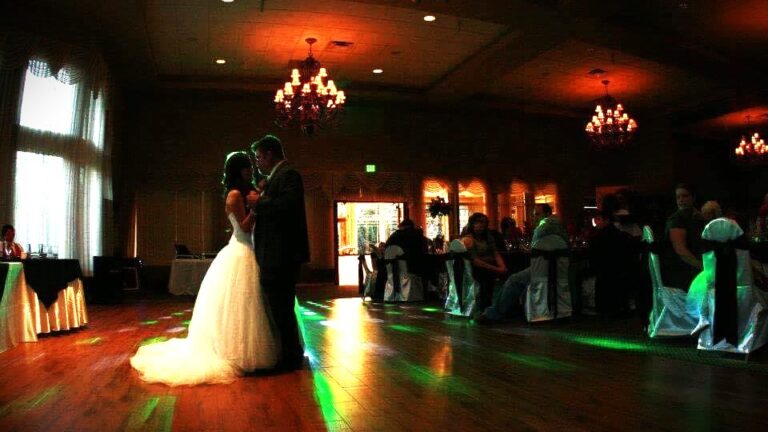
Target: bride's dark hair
232, 179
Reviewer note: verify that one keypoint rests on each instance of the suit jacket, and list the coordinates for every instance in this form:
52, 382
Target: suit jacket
280, 234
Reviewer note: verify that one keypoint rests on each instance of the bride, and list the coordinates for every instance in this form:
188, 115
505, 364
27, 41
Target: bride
230, 332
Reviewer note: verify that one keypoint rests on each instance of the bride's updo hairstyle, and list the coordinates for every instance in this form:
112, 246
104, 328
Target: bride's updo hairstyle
232, 179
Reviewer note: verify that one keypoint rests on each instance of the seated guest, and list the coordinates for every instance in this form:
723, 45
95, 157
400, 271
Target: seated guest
412, 242
624, 217
487, 264
8, 236
681, 261
710, 211
612, 257
516, 284
510, 232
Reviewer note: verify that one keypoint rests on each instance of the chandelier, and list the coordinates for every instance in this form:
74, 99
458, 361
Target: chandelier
310, 99
754, 148
610, 125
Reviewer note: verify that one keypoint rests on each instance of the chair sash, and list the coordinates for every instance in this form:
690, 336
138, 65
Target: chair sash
726, 304
551, 258
394, 264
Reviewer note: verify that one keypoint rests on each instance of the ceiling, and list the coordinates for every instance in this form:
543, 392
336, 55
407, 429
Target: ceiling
693, 61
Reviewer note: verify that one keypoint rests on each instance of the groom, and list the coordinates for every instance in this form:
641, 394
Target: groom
280, 242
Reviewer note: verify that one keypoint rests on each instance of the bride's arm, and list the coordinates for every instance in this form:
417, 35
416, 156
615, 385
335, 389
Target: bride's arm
236, 206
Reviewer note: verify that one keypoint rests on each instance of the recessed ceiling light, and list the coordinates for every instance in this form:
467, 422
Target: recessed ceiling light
220, 61
227, 1
378, 71
429, 18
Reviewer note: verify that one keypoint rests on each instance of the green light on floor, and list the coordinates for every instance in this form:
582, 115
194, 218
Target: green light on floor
185, 323
539, 362
178, 314
149, 322
155, 414
614, 344
405, 328
308, 312
323, 393
153, 340
431, 309
89, 341
22, 404
393, 313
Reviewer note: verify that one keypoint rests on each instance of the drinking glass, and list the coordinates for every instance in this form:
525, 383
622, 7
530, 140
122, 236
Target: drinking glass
54, 251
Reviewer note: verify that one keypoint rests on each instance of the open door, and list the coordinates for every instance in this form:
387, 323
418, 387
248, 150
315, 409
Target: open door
360, 225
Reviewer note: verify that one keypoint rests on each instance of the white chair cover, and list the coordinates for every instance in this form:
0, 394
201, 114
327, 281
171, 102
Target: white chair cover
751, 303
369, 277
669, 316
410, 288
464, 306
537, 307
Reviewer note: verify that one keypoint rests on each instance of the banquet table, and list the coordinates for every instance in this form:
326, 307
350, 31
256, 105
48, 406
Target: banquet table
186, 275
40, 296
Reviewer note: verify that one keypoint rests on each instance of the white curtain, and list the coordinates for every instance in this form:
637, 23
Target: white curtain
62, 179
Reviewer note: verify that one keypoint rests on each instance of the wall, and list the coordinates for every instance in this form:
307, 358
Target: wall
175, 143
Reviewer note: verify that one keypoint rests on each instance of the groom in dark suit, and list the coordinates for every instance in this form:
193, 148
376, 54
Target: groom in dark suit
280, 242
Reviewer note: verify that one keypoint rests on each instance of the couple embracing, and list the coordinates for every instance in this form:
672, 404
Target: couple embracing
243, 319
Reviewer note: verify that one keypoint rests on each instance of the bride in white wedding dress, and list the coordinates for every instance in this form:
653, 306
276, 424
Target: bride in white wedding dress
230, 331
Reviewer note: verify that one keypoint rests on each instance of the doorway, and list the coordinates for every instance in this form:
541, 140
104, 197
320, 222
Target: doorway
360, 225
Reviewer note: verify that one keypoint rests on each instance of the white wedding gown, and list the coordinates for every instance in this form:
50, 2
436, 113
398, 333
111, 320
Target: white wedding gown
229, 333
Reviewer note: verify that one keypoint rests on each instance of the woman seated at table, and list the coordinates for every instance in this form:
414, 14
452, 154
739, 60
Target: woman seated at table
10, 247
487, 263
681, 262
510, 233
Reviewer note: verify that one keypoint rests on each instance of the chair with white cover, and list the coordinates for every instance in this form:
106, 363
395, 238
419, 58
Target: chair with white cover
669, 316
462, 286
548, 295
401, 286
367, 277
733, 313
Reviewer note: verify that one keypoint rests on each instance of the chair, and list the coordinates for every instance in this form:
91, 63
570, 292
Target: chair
548, 295
401, 286
733, 311
367, 277
669, 316
183, 252
462, 286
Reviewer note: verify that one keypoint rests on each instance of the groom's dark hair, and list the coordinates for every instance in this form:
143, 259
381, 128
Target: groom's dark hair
269, 143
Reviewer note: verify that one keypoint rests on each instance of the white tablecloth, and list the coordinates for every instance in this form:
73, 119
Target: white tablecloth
186, 275
23, 316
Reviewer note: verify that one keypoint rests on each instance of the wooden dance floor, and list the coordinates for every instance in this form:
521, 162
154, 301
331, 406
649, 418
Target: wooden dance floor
388, 367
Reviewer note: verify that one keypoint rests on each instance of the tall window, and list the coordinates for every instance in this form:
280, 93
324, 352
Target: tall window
439, 224
472, 199
59, 183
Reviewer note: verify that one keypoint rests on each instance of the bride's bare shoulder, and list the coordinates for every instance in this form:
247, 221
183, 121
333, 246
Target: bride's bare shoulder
233, 195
